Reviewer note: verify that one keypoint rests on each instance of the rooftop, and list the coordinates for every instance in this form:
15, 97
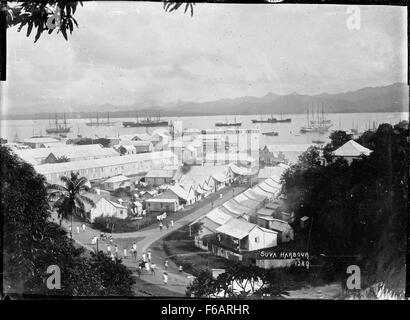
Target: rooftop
351, 149
160, 173
118, 178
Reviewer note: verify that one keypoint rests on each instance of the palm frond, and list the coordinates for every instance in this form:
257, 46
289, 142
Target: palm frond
87, 200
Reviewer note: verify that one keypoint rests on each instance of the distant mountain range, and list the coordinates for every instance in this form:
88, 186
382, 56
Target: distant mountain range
391, 98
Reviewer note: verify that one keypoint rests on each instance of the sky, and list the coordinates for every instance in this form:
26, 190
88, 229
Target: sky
135, 53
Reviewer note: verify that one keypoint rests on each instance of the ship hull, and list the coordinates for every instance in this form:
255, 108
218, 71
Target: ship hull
228, 124
140, 124
65, 130
272, 121
104, 124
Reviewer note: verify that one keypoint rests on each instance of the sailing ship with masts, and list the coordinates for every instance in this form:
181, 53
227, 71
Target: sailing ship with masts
316, 123
59, 128
99, 122
148, 122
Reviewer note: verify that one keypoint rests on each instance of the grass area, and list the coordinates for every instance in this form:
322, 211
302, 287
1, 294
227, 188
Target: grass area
180, 249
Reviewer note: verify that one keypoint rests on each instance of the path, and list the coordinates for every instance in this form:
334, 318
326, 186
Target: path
177, 282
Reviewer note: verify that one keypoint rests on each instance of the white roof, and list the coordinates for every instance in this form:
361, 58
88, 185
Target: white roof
69, 151
276, 172
351, 149
117, 205
277, 224
161, 200
218, 216
239, 228
160, 173
180, 192
239, 170
236, 228
104, 162
118, 178
41, 140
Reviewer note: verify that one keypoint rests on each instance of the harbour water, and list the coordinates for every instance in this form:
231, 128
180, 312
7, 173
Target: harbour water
288, 133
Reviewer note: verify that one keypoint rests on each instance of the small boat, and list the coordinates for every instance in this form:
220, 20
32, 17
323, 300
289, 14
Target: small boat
228, 124
271, 133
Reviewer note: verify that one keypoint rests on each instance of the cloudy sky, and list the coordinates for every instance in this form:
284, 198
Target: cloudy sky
127, 53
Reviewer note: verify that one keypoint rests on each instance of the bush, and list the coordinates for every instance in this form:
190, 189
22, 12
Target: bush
112, 224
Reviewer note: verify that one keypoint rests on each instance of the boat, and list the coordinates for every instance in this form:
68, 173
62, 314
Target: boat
99, 123
148, 122
271, 120
320, 124
59, 128
228, 124
271, 133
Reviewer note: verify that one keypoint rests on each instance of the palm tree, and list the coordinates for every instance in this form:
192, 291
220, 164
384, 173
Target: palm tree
69, 197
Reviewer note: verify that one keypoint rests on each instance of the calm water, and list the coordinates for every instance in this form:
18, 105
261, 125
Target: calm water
288, 132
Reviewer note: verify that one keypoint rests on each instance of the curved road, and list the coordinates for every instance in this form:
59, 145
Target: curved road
177, 282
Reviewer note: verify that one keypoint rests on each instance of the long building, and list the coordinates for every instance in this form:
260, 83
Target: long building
108, 167
71, 152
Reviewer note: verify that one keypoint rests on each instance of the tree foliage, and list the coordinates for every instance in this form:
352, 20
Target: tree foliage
358, 209
32, 242
47, 16
238, 281
39, 16
69, 198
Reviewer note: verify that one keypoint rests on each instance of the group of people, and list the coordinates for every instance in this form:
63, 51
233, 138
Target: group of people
167, 225
77, 228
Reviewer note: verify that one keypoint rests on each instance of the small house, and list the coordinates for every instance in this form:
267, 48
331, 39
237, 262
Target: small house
103, 207
117, 182
158, 177
350, 151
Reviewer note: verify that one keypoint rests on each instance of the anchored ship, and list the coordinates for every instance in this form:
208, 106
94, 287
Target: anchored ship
59, 128
148, 122
99, 122
272, 120
228, 124
318, 124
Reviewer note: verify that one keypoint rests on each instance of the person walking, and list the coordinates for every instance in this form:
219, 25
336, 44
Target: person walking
83, 226
116, 251
167, 225
78, 229
165, 277
166, 264
149, 256
180, 269
160, 226
153, 266
108, 249
172, 223
112, 257
125, 253
134, 251
143, 257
